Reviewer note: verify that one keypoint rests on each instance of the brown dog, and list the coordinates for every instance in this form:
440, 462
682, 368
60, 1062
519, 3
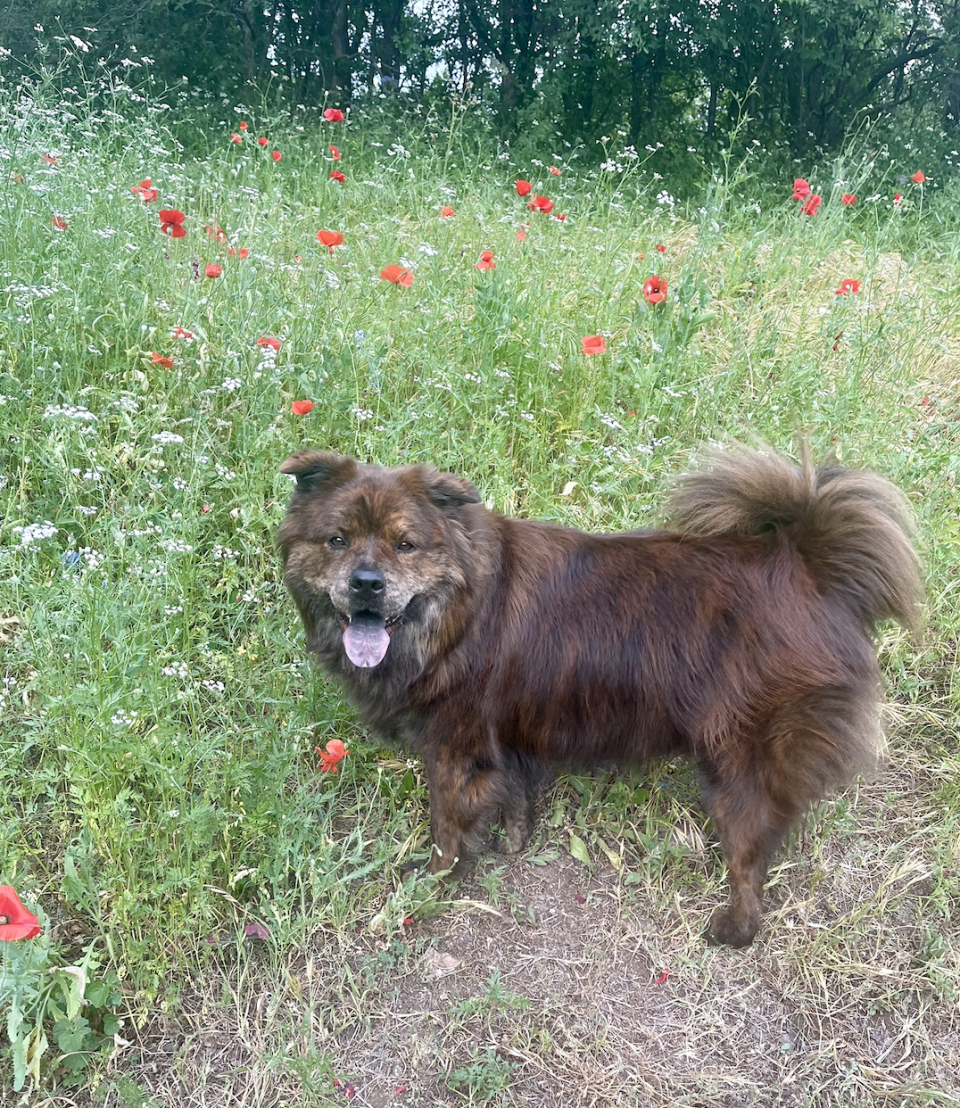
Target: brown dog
497, 647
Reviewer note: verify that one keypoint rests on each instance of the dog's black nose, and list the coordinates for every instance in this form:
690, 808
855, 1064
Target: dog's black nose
365, 583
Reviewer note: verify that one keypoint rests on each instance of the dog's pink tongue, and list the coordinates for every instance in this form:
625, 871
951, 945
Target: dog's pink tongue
366, 642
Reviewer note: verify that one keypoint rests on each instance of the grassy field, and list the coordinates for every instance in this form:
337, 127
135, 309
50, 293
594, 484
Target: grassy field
224, 923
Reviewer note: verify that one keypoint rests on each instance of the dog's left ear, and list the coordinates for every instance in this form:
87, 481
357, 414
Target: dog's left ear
447, 490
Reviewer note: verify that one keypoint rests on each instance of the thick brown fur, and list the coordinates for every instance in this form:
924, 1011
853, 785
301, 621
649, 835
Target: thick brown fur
742, 637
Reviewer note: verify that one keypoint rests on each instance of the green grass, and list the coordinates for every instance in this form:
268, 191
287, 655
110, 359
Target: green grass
159, 787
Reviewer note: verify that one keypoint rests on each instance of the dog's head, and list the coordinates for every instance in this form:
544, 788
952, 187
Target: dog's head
368, 549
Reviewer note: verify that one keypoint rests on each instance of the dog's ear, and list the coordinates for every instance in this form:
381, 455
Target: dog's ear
446, 490
314, 468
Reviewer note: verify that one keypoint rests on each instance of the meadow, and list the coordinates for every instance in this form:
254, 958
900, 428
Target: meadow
223, 920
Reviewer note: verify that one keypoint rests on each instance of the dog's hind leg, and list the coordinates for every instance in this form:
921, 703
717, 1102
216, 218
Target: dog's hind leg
517, 822
522, 780
751, 825
757, 793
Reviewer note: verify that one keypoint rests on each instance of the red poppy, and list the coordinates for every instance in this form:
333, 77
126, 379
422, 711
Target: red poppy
330, 239
542, 204
213, 270
918, 178
182, 333
262, 141
486, 261
15, 921
144, 191
334, 153
849, 199
333, 115
554, 171
301, 407
398, 275
234, 137
521, 235
655, 289
801, 189
159, 359
524, 188
276, 155
58, 222
52, 159
814, 200
848, 285
334, 753
215, 231
446, 212
560, 216
336, 175
897, 199
593, 344
242, 125
266, 340
171, 223
660, 248
243, 252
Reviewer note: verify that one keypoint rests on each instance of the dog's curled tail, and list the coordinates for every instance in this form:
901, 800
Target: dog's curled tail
853, 529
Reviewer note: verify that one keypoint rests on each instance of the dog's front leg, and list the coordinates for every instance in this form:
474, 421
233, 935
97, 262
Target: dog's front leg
462, 791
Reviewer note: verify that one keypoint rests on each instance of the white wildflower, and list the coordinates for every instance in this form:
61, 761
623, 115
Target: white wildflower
35, 532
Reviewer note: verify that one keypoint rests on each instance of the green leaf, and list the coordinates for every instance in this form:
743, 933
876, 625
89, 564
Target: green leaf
69, 1034
19, 1063
407, 785
74, 1062
578, 849
97, 993
613, 856
544, 858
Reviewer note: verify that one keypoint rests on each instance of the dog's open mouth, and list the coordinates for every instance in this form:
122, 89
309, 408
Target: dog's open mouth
366, 637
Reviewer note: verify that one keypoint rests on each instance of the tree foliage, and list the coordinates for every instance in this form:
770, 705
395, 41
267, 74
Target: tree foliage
801, 70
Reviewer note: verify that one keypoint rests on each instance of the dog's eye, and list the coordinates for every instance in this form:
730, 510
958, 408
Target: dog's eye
405, 547
337, 541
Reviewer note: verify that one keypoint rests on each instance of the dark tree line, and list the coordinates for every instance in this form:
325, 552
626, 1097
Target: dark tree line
802, 70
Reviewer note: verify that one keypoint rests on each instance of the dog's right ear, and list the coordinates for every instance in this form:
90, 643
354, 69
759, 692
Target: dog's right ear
314, 468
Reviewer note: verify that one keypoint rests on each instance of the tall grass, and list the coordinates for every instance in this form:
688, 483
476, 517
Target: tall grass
159, 785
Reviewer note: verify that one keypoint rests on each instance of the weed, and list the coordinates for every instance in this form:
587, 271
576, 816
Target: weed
482, 1078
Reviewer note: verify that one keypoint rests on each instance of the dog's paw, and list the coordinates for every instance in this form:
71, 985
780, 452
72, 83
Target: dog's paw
726, 928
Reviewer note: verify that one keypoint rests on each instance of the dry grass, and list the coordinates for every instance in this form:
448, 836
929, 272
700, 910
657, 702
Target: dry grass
849, 996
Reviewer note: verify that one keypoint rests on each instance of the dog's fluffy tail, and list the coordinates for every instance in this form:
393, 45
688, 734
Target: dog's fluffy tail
853, 529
